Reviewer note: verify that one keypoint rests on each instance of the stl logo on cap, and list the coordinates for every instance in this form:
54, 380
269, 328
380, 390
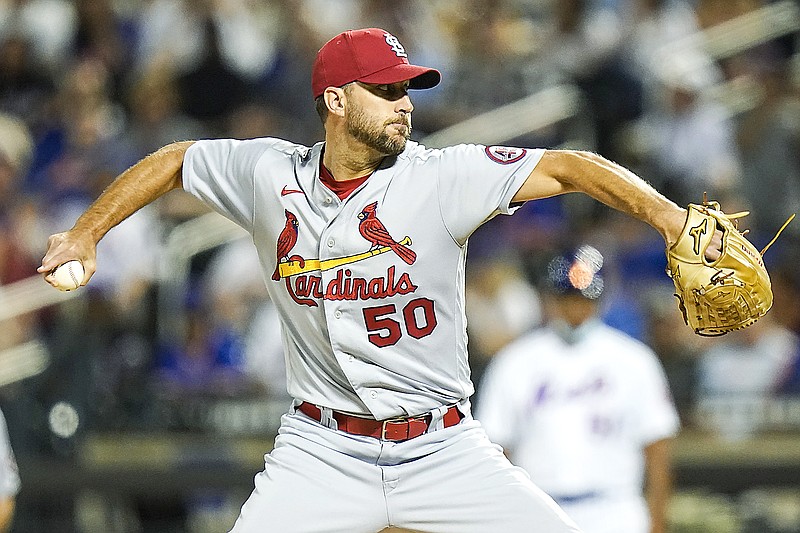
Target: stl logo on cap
368, 55
394, 43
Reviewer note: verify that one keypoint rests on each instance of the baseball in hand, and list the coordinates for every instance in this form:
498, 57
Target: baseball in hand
68, 276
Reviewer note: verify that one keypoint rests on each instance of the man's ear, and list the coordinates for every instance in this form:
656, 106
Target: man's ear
335, 100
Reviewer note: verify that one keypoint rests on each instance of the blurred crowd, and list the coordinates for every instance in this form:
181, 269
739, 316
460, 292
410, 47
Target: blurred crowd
88, 87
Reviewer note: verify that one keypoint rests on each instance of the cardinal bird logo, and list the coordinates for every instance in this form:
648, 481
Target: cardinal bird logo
375, 232
286, 241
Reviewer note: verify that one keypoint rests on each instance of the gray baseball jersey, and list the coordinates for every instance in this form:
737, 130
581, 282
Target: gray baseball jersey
370, 288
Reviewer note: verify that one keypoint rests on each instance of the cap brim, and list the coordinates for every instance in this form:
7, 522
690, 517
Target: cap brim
419, 77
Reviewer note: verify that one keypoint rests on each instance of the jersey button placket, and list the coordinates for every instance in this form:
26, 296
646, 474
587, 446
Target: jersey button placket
329, 249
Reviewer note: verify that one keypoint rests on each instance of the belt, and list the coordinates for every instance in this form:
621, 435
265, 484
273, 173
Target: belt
392, 429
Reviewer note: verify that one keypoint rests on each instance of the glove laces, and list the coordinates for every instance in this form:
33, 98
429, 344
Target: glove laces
775, 238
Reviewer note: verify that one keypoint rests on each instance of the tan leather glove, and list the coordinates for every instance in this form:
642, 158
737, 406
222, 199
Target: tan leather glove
729, 293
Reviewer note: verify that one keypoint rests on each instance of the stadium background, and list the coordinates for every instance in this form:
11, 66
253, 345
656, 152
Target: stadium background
146, 401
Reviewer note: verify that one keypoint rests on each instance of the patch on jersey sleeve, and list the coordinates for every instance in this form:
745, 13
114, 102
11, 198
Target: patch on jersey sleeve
505, 154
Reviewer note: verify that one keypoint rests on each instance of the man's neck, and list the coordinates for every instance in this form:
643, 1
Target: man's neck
349, 159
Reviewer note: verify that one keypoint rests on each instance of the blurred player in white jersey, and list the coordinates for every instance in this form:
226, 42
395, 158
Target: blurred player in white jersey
9, 479
585, 409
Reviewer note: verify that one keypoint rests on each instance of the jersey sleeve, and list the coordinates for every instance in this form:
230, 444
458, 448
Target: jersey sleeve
221, 173
9, 474
658, 418
477, 182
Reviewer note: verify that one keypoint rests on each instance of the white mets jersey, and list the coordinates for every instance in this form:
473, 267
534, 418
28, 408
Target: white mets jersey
370, 288
9, 473
578, 416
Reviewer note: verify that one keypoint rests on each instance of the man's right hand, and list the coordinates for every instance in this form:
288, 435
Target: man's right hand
66, 246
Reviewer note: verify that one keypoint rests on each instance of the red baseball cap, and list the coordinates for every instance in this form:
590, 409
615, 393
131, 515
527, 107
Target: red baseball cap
370, 55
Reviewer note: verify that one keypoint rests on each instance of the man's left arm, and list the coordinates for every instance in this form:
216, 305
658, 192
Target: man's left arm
658, 482
563, 171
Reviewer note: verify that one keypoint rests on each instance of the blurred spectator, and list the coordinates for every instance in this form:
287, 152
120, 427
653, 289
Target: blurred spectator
25, 87
240, 300
748, 362
156, 118
324, 18
581, 39
286, 89
768, 139
16, 148
257, 119
17, 258
105, 35
495, 42
501, 306
48, 25
782, 259
9, 479
653, 28
220, 50
176, 33
677, 346
211, 89
740, 372
583, 408
232, 344
688, 140
790, 384
82, 147
583, 46
786, 290
208, 362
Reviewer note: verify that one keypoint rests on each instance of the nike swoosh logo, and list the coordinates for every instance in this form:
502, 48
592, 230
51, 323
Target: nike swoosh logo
286, 191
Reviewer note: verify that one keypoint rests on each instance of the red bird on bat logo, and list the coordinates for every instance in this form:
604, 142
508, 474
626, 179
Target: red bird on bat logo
375, 232
286, 241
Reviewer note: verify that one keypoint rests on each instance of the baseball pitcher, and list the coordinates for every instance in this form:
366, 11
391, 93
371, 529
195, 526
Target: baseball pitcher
362, 240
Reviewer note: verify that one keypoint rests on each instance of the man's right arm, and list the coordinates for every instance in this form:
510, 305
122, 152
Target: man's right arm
7, 504
658, 482
141, 184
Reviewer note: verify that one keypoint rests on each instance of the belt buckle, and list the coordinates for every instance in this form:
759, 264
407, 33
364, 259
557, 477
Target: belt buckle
402, 419
391, 421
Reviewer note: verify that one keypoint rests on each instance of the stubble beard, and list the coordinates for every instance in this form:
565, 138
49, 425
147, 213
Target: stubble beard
374, 135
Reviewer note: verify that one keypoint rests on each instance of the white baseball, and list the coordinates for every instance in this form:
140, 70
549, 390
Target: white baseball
68, 276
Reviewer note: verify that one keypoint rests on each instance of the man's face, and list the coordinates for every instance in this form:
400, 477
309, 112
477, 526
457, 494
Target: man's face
573, 309
380, 116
